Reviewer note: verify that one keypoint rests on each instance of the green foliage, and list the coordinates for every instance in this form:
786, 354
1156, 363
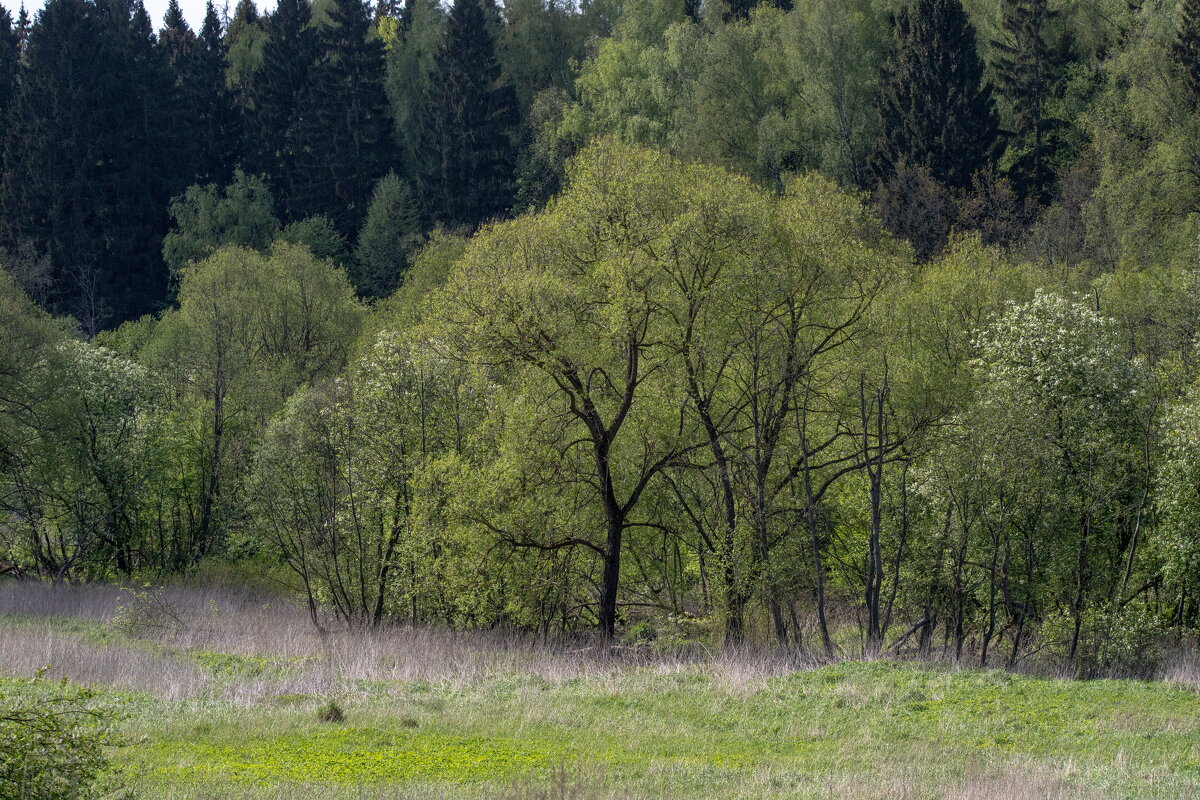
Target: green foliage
1142, 126
331, 712
390, 237
77, 469
341, 483
935, 108
53, 742
693, 380
145, 612
250, 329
208, 218
410, 62
1178, 492
320, 236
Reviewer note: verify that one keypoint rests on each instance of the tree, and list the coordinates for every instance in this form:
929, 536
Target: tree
1057, 387
1143, 191
251, 327
56, 739
84, 134
342, 136
341, 482
467, 124
178, 40
22, 27
216, 120
278, 87
1030, 71
411, 54
843, 47
1177, 497
78, 468
244, 42
935, 109
570, 308
320, 236
208, 218
538, 43
389, 238
31, 338
1186, 48
10, 54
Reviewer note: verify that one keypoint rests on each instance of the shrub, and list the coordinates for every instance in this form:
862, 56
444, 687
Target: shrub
146, 612
330, 712
1113, 642
52, 741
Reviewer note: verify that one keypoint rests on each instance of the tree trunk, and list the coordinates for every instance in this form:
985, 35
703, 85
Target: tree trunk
1081, 584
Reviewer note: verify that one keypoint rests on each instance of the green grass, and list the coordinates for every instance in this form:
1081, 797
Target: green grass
793, 736
853, 730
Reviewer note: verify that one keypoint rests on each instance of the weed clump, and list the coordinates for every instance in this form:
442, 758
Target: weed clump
331, 712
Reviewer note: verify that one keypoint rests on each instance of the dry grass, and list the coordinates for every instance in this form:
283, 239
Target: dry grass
1182, 669
174, 622
697, 724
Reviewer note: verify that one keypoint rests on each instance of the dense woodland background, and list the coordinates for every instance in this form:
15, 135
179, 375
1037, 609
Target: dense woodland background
853, 326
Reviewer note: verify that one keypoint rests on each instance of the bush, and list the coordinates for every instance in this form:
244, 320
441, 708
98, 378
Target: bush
146, 612
330, 712
52, 741
1113, 642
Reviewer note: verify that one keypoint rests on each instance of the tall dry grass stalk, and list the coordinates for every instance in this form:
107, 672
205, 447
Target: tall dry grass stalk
84, 633
94, 634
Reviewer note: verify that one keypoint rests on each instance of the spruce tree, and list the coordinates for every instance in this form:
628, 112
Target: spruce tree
935, 110
181, 49
89, 167
342, 138
207, 117
1186, 48
467, 121
245, 14
178, 40
218, 125
23, 25
244, 44
390, 235
10, 56
160, 159
1029, 72
279, 85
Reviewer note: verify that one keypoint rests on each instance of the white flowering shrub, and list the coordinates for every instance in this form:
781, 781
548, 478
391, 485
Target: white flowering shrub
1178, 493
1059, 425
1056, 365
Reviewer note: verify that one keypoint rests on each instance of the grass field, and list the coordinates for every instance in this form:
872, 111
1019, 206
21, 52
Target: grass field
221, 697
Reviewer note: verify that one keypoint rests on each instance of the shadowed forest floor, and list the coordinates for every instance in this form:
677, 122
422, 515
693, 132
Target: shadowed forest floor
221, 696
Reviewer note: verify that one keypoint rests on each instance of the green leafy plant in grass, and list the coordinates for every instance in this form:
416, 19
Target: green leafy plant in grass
331, 712
52, 743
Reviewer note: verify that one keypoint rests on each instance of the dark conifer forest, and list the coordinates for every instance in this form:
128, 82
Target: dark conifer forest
838, 326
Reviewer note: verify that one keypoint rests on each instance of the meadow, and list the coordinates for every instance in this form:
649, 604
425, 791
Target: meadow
221, 694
